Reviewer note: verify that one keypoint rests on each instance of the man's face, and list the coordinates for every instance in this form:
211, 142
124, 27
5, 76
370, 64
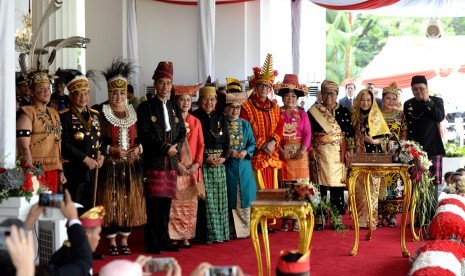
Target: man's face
371, 87
420, 91
41, 92
350, 90
79, 99
93, 237
263, 89
163, 87
207, 103
23, 90
60, 88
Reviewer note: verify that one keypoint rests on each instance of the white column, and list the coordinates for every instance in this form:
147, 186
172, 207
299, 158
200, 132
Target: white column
206, 39
296, 12
133, 43
7, 85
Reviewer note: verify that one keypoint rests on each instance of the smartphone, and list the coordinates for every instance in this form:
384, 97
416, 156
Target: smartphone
51, 200
4, 232
222, 271
158, 264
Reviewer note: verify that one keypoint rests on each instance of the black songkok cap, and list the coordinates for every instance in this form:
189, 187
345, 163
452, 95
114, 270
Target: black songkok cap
419, 79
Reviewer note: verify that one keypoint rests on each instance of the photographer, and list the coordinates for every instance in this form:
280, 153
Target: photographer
19, 259
128, 268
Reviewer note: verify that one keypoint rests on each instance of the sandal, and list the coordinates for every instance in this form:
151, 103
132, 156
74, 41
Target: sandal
125, 250
113, 250
285, 225
393, 221
296, 227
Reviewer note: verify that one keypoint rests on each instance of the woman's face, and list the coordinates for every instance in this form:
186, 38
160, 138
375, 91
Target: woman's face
185, 102
365, 101
390, 101
289, 100
207, 103
233, 111
117, 98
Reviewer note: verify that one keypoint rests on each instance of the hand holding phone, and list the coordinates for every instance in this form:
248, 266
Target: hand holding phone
158, 264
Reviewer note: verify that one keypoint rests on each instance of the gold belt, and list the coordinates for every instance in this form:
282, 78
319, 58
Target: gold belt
324, 138
214, 152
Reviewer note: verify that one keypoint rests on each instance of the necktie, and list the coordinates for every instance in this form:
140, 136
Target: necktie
167, 118
350, 102
85, 115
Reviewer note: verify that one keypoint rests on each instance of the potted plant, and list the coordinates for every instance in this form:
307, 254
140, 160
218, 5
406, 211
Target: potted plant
454, 157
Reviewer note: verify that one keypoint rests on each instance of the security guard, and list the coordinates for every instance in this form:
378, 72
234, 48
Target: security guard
80, 139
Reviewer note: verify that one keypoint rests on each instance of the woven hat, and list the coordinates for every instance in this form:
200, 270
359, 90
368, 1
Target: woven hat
209, 89
264, 74
93, 217
186, 89
392, 88
164, 70
74, 80
233, 85
291, 84
330, 85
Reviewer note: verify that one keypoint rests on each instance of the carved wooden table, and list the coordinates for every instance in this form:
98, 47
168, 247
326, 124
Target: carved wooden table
380, 170
263, 210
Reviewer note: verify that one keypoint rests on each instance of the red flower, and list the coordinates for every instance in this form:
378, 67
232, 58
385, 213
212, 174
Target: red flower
2, 170
27, 183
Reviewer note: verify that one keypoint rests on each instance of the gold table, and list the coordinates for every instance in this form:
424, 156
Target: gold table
263, 210
380, 170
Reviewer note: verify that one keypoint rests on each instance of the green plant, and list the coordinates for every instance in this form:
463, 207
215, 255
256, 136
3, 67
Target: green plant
452, 150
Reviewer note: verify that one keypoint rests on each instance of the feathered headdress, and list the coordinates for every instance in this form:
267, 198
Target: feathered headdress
118, 73
264, 74
38, 74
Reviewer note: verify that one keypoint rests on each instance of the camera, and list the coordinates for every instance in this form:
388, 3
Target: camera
4, 232
51, 200
222, 271
158, 264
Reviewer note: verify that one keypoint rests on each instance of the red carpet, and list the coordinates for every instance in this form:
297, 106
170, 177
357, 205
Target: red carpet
329, 252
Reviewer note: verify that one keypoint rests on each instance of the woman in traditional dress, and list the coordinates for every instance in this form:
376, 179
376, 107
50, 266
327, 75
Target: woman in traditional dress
371, 136
333, 144
242, 188
297, 135
120, 187
183, 214
216, 137
390, 202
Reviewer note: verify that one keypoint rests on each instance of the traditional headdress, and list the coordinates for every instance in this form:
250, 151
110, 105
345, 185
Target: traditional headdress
291, 84
164, 70
233, 85
38, 76
74, 80
264, 74
186, 89
21, 80
330, 85
238, 97
392, 88
293, 262
419, 79
93, 217
376, 123
117, 75
209, 89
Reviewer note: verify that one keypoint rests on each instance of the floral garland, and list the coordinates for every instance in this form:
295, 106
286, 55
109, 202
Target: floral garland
305, 190
410, 152
19, 181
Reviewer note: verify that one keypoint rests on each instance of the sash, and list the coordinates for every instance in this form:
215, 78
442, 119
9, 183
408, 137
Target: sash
325, 119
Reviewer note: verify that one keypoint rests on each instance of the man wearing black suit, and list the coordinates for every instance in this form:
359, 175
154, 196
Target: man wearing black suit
371, 86
80, 139
348, 100
423, 114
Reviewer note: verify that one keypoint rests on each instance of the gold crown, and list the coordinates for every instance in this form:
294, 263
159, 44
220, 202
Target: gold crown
118, 83
266, 73
392, 88
80, 83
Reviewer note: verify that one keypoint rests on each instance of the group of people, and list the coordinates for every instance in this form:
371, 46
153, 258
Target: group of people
193, 174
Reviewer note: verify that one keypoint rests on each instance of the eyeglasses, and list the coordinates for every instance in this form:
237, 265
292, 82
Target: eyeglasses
235, 107
328, 94
264, 85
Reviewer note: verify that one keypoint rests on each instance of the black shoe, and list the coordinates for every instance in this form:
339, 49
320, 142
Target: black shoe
319, 227
96, 256
271, 230
170, 248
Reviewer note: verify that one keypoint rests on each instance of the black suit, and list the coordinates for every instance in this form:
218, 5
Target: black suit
379, 102
75, 259
79, 142
346, 103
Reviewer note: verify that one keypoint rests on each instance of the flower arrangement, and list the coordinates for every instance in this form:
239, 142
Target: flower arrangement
452, 150
305, 190
412, 153
18, 181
